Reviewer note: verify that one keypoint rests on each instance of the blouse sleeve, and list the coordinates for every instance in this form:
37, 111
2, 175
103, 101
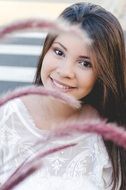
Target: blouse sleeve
3, 118
90, 160
103, 166
98, 166
7, 138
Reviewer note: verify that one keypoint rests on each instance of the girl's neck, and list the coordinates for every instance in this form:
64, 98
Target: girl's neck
48, 113
58, 110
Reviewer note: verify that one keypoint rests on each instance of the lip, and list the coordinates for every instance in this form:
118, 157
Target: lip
61, 86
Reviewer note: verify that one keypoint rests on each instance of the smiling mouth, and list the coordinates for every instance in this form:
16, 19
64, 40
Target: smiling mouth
61, 86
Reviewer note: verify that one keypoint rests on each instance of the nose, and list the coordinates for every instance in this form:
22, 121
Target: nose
66, 69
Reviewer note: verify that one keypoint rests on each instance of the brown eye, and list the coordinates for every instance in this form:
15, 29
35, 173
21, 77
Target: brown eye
85, 64
58, 52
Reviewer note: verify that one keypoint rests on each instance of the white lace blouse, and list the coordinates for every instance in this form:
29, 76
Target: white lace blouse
84, 166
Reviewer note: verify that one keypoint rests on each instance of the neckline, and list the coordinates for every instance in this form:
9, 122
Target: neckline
41, 133
30, 123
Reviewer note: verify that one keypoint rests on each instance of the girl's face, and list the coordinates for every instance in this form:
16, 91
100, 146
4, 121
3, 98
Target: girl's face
67, 66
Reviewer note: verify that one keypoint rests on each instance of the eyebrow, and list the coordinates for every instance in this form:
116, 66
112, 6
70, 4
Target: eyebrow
61, 45
81, 56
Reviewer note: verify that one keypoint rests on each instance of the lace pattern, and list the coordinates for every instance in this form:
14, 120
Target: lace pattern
88, 160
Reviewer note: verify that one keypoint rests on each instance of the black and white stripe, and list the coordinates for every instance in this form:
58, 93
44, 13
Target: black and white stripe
19, 55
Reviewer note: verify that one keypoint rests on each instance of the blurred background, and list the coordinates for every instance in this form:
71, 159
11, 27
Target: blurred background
19, 52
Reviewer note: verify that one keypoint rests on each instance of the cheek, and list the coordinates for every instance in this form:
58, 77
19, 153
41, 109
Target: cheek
87, 80
42, 72
46, 62
48, 65
44, 68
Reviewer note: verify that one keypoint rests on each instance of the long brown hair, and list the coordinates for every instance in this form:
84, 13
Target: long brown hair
109, 93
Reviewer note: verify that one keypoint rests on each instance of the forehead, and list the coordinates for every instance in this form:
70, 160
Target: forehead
75, 42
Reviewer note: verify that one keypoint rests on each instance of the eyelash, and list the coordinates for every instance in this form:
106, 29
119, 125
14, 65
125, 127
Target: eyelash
57, 49
87, 64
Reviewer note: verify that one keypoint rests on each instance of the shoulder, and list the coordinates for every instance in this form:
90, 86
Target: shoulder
90, 114
7, 108
12, 113
31, 101
98, 161
33, 104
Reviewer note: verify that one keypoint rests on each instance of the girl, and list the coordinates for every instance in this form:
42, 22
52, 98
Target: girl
91, 69
107, 61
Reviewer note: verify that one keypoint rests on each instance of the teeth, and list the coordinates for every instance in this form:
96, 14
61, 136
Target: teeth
61, 86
